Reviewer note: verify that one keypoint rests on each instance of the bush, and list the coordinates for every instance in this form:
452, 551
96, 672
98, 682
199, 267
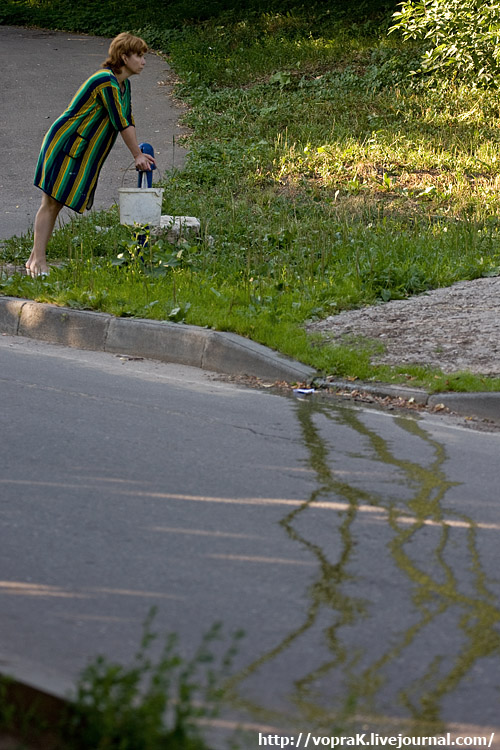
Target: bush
461, 38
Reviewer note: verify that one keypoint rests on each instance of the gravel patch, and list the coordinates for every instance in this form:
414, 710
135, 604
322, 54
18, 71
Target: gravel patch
453, 329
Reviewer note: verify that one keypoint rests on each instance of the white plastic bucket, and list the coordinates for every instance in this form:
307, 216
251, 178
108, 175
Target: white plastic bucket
140, 205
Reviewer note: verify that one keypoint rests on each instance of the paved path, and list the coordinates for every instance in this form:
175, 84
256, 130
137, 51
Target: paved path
41, 70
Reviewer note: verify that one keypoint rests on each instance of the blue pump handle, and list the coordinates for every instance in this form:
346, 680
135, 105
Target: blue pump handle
147, 177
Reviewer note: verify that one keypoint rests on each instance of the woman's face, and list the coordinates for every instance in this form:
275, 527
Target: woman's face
134, 63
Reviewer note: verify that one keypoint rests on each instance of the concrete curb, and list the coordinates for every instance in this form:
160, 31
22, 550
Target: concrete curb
38, 693
217, 351
222, 352
480, 405
45, 710
382, 390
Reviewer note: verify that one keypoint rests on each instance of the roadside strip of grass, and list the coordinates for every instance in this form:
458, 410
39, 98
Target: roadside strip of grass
324, 181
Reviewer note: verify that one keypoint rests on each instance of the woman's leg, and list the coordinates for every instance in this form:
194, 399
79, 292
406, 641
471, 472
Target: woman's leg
44, 225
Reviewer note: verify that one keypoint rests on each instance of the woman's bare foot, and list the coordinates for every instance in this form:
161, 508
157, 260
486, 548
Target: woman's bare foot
36, 266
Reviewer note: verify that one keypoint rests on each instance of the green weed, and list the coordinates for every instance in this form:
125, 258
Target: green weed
154, 703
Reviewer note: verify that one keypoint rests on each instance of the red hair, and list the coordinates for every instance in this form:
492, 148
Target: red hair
123, 44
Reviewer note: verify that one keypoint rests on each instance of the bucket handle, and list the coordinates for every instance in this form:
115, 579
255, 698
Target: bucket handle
132, 164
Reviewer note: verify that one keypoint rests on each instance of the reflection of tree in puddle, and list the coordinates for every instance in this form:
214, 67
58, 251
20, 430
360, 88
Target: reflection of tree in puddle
358, 672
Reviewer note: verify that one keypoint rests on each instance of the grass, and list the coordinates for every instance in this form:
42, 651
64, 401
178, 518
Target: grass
327, 178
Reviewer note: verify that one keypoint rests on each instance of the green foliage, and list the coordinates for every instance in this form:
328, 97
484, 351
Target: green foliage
461, 38
157, 19
150, 705
154, 704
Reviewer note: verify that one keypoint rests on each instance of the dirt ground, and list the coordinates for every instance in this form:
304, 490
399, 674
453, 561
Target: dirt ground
453, 329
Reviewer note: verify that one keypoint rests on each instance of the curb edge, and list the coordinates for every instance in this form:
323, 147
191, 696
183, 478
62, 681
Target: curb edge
218, 351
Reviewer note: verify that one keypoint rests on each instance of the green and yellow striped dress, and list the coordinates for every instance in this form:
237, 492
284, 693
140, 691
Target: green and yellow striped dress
78, 142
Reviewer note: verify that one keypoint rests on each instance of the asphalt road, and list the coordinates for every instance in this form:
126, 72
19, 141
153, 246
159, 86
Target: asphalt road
357, 549
40, 72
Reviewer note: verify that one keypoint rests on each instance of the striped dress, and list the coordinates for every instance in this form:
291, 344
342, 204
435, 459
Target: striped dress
78, 142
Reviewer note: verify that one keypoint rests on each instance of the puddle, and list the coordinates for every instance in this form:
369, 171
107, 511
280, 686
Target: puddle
399, 619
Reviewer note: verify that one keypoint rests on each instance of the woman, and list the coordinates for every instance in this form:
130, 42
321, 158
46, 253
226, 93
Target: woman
79, 141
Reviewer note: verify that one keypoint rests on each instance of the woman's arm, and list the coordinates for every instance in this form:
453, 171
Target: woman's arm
142, 161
